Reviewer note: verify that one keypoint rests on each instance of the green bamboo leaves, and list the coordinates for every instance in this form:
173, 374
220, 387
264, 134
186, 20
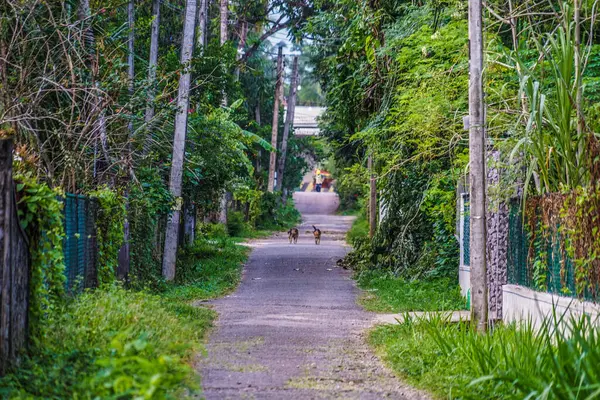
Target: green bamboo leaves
557, 151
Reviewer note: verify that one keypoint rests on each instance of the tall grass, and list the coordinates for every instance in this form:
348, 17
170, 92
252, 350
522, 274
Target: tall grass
453, 360
557, 151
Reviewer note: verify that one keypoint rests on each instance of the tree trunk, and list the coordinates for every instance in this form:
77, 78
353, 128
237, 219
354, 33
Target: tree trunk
257, 118
152, 62
289, 122
275, 126
124, 257
202, 25
479, 295
372, 197
241, 46
189, 224
224, 17
223, 208
96, 109
175, 181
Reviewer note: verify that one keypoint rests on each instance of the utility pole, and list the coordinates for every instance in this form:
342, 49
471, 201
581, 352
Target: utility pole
271, 184
181, 116
372, 197
477, 187
289, 121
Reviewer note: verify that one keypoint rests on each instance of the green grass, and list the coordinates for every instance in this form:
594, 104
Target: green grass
209, 269
113, 343
454, 361
359, 228
385, 293
117, 343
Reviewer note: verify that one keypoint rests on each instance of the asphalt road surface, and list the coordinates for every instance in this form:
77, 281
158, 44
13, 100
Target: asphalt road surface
293, 330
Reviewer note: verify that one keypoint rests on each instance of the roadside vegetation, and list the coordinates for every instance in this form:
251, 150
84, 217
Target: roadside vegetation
396, 87
452, 360
386, 293
147, 135
112, 342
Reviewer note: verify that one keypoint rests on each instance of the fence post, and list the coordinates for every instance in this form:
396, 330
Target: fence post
14, 267
497, 241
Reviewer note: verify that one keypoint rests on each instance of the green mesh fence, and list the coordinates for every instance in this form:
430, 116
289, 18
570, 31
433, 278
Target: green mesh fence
538, 261
517, 247
537, 257
79, 244
466, 231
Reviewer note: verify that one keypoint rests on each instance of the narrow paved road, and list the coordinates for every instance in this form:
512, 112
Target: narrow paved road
293, 330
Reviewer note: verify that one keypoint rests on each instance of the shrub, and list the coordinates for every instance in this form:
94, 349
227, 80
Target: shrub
209, 268
387, 293
113, 343
236, 225
275, 214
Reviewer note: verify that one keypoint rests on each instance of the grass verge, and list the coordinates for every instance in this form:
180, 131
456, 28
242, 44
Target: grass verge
359, 228
118, 343
113, 343
454, 361
385, 293
209, 269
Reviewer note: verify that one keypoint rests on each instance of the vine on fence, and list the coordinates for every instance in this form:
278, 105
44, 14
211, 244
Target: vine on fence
581, 212
40, 213
109, 232
570, 223
149, 201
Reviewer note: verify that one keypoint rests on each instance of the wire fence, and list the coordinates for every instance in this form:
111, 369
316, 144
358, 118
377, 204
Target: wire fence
79, 244
537, 255
536, 258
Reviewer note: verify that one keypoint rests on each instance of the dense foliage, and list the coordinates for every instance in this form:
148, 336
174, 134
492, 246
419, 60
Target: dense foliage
92, 114
395, 79
113, 343
395, 76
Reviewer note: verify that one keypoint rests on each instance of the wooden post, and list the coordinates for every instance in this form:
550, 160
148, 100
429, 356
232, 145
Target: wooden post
289, 121
477, 151
15, 265
372, 197
275, 126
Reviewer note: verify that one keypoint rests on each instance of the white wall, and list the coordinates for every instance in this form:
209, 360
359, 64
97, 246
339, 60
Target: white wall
521, 304
464, 271
464, 279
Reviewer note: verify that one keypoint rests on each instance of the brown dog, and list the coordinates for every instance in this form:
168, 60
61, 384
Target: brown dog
317, 235
293, 235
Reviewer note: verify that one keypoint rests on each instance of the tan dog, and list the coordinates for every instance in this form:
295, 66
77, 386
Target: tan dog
317, 235
293, 235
